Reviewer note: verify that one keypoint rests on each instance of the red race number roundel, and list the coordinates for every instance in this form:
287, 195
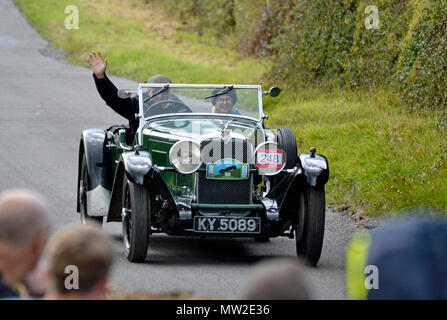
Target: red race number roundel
270, 159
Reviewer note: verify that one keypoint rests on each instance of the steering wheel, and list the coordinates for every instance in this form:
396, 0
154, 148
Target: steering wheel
167, 106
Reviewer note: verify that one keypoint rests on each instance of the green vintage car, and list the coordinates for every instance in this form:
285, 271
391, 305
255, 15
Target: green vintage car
202, 164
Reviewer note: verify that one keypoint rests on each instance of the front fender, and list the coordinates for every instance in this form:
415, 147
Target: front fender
314, 172
137, 165
288, 207
99, 166
315, 168
139, 169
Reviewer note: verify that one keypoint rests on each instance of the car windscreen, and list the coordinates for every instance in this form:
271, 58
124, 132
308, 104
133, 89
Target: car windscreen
222, 100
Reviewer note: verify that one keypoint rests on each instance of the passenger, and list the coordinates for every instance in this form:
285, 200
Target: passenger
224, 103
24, 229
277, 279
403, 260
79, 262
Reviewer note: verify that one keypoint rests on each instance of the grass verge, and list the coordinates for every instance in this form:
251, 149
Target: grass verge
382, 157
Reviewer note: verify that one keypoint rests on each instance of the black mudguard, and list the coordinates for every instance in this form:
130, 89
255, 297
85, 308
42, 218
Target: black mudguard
99, 164
314, 172
139, 169
288, 207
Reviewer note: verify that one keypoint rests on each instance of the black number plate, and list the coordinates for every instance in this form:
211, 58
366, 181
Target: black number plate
227, 225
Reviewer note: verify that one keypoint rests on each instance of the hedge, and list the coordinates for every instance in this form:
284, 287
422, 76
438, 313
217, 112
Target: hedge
326, 43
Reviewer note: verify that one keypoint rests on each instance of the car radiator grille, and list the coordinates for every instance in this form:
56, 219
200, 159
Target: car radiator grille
225, 191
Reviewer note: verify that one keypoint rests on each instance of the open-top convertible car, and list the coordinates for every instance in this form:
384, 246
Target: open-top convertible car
202, 163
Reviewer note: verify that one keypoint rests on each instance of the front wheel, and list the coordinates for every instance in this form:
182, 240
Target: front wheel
135, 220
311, 220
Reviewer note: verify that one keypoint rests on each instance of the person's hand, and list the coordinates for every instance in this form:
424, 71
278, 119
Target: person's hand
97, 64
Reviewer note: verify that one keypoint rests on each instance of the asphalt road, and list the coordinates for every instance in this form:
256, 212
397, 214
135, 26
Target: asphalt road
45, 103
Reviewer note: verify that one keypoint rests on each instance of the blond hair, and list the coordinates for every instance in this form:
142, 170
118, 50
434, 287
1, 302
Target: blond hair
87, 248
277, 279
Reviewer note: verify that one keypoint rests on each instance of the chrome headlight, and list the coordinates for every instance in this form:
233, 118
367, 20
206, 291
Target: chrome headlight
270, 159
185, 156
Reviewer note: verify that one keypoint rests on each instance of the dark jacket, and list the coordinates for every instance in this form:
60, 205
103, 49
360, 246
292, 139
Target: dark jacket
125, 107
6, 291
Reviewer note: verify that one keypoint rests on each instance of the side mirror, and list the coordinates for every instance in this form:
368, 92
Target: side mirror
274, 91
125, 93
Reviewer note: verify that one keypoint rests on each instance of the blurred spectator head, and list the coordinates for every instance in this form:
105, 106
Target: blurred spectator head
277, 279
79, 260
24, 229
404, 259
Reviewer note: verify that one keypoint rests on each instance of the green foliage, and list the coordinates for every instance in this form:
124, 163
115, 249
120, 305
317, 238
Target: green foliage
374, 53
423, 65
139, 40
328, 42
259, 23
253, 24
325, 43
215, 16
315, 43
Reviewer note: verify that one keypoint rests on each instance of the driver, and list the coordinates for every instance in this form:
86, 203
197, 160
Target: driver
224, 103
153, 102
125, 107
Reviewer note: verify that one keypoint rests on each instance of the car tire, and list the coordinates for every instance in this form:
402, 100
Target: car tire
286, 140
311, 219
83, 188
136, 221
